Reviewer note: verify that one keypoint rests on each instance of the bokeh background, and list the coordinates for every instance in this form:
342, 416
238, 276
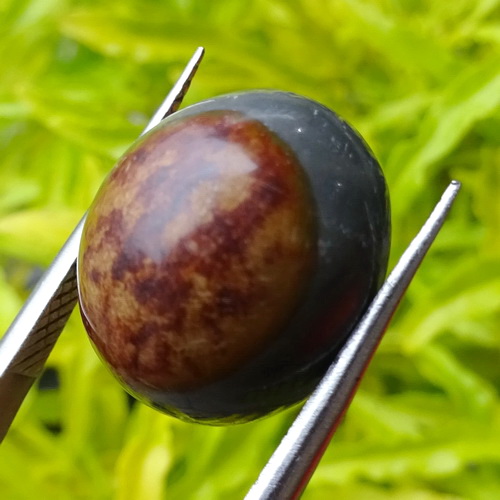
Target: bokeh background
420, 79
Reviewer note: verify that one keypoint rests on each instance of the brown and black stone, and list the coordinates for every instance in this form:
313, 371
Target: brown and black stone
230, 252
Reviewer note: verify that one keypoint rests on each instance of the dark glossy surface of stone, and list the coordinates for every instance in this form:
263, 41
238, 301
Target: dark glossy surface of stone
230, 252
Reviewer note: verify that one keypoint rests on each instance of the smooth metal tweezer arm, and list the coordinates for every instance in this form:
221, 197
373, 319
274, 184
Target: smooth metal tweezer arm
288, 471
28, 342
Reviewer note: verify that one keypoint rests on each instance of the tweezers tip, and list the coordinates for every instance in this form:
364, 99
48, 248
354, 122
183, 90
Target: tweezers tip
198, 55
451, 192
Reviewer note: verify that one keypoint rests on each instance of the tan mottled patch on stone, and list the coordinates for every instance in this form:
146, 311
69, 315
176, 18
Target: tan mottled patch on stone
203, 239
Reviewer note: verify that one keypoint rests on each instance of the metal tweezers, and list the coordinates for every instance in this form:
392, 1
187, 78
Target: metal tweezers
28, 342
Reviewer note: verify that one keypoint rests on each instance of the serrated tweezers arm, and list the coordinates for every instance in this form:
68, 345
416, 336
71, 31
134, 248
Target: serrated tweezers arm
28, 342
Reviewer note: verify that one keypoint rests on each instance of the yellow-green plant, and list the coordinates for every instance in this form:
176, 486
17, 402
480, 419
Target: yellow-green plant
420, 79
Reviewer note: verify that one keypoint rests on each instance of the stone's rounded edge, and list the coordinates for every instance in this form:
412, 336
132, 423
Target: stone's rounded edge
352, 209
243, 236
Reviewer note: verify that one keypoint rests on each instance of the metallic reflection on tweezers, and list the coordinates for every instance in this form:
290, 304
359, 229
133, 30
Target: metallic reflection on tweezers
28, 342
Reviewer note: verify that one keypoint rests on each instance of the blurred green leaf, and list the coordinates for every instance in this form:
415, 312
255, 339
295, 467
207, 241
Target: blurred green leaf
419, 79
35, 235
144, 461
471, 96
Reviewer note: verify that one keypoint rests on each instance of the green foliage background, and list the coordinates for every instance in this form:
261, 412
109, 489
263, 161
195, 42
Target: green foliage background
420, 79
